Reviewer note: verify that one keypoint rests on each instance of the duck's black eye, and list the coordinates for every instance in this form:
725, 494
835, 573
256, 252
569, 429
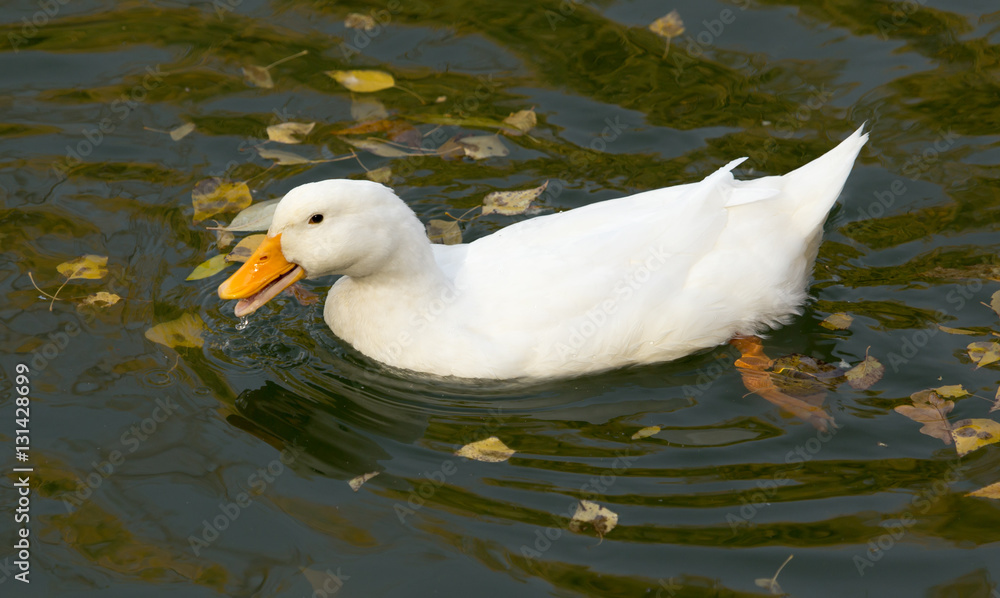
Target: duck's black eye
315, 219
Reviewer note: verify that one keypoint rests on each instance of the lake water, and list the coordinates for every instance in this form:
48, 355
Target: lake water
222, 470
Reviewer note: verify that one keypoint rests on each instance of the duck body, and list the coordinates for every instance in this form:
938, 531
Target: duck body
646, 278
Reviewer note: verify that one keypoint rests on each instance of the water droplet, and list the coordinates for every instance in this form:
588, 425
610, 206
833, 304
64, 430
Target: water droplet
244, 322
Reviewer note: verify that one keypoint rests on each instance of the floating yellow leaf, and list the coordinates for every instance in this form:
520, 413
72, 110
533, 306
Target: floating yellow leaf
510, 203
520, 122
91, 267
490, 450
930, 410
283, 158
182, 131
957, 330
995, 303
972, 434
209, 267
951, 391
446, 232
668, 26
480, 147
991, 491
380, 175
258, 75
245, 248
866, 373
215, 195
982, 353
185, 331
356, 20
837, 321
646, 432
357, 482
289, 132
996, 401
101, 299
588, 513
363, 81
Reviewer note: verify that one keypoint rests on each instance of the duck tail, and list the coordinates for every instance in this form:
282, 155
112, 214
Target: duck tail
815, 187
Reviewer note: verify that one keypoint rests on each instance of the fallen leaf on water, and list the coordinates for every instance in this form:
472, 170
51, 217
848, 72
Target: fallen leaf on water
261, 75
510, 203
451, 149
668, 26
377, 147
303, 295
996, 401
357, 20
90, 267
930, 410
489, 450
754, 367
214, 195
446, 232
972, 434
254, 218
182, 131
520, 122
982, 353
258, 76
771, 583
865, 374
380, 175
223, 238
209, 267
480, 147
283, 158
185, 331
645, 432
363, 81
245, 248
837, 321
365, 109
951, 391
957, 330
101, 299
591, 514
356, 483
366, 128
995, 303
991, 491
289, 132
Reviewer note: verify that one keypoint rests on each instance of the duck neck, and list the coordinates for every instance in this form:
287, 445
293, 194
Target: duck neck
409, 265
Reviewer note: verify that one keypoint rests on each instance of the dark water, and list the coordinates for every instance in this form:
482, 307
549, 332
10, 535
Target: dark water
222, 470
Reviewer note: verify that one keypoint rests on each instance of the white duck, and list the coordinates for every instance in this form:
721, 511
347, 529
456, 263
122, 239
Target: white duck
641, 279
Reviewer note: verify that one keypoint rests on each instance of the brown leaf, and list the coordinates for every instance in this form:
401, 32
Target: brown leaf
303, 295
520, 122
991, 491
480, 147
865, 374
258, 76
837, 321
754, 367
511, 203
930, 410
289, 132
366, 128
356, 482
101, 299
446, 232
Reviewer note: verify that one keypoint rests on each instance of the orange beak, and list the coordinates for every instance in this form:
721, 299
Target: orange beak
261, 278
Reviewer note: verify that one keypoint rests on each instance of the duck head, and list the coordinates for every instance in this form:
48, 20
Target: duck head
348, 227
